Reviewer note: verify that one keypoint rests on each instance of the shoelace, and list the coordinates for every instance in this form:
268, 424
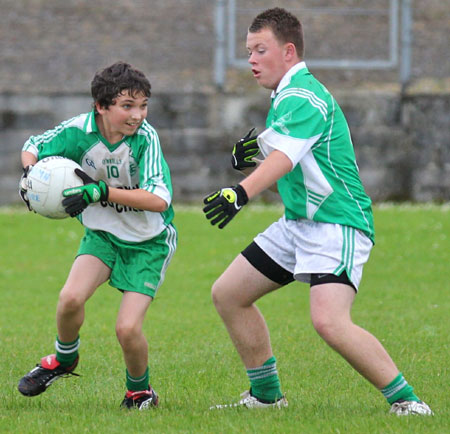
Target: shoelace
50, 373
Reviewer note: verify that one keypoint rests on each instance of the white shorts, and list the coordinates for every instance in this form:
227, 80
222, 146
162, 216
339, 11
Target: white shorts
304, 247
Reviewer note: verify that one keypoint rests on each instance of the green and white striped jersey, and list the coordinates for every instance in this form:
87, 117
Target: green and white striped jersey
135, 162
306, 123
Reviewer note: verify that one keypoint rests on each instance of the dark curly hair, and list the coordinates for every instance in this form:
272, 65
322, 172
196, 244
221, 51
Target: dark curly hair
110, 82
285, 26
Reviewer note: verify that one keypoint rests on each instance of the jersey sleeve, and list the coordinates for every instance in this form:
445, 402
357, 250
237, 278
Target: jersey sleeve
52, 142
154, 171
298, 120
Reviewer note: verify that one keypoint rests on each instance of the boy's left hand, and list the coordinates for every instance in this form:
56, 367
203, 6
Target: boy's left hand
78, 198
223, 205
244, 151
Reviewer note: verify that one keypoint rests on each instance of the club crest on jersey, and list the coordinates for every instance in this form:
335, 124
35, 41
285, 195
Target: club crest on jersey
133, 168
281, 122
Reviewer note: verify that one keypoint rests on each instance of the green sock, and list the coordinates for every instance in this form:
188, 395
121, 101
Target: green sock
397, 389
137, 383
67, 352
264, 381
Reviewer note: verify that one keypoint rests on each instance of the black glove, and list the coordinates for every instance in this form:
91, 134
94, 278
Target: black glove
23, 186
244, 151
223, 205
78, 198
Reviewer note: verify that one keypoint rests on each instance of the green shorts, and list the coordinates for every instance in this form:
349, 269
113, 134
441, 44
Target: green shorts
136, 267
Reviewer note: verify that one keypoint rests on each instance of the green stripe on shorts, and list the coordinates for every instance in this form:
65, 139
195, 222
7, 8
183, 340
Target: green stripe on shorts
348, 252
137, 267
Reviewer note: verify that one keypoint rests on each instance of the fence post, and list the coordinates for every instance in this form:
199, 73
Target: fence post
219, 51
406, 41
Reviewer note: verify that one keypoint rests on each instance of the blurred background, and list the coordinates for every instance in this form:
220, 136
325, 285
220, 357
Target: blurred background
387, 62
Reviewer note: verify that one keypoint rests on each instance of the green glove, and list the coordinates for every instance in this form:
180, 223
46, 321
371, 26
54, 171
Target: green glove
223, 205
78, 198
244, 151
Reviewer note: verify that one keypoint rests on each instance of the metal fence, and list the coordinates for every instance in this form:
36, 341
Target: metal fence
394, 15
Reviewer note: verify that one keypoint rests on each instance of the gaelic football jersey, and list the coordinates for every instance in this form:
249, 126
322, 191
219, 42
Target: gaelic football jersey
307, 125
135, 162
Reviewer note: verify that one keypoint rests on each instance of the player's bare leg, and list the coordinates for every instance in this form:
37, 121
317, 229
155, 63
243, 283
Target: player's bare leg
87, 274
134, 345
129, 331
330, 313
234, 294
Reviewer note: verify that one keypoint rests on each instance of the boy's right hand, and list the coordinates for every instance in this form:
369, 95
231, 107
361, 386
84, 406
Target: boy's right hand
23, 186
78, 198
244, 151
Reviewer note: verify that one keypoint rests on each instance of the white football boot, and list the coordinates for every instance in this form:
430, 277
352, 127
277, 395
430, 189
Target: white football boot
406, 408
249, 401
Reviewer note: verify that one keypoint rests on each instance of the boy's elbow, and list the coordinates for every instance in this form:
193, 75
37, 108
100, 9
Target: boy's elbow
161, 205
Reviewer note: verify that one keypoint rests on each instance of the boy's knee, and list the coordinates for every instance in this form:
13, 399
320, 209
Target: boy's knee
126, 331
332, 329
217, 293
69, 301
323, 325
222, 296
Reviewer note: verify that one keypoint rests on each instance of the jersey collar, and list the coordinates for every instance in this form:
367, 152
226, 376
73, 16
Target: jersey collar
90, 126
287, 77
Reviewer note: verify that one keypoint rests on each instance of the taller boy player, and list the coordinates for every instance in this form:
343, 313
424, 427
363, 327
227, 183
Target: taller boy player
125, 206
323, 239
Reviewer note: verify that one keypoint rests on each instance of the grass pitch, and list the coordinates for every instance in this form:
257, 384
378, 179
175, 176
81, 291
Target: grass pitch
403, 300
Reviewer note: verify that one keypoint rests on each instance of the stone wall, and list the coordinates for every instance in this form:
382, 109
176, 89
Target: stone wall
402, 144
50, 49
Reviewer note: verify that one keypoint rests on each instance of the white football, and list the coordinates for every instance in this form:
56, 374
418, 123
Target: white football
45, 183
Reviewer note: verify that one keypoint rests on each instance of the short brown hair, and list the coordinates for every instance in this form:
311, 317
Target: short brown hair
110, 82
285, 26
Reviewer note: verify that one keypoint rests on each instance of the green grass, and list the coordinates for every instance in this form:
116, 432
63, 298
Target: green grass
403, 300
